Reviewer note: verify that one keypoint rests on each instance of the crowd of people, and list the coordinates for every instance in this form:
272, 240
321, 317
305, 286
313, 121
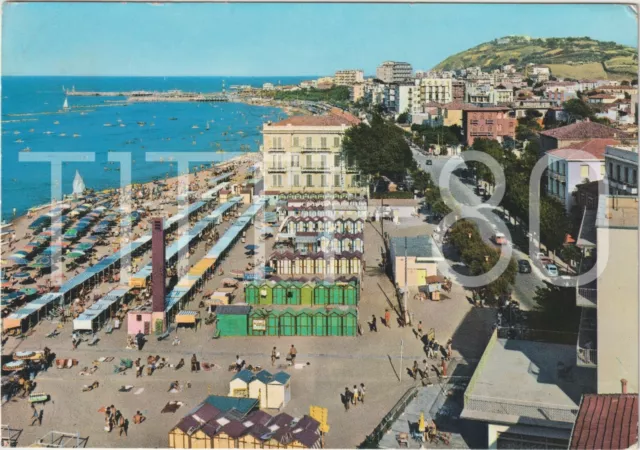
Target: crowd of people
353, 397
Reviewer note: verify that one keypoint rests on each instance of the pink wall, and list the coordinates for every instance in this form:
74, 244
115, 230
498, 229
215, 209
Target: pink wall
134, 326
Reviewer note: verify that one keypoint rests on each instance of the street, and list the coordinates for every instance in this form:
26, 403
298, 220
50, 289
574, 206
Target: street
526, 284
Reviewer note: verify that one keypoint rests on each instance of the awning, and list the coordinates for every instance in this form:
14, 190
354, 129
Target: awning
187, 317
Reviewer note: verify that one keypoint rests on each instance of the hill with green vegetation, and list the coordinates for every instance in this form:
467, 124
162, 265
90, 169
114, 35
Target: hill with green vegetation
579, 57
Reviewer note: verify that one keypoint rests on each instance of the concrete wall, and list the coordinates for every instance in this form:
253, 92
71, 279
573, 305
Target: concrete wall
618, 311
416, 272
493, 430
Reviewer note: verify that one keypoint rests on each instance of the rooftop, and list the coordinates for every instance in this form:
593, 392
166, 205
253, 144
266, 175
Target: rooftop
585, 130
591, 149
617, 211
416, 246
606, 421
334, 119
525, 382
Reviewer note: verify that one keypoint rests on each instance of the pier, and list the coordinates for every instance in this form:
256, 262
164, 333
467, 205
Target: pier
155, 96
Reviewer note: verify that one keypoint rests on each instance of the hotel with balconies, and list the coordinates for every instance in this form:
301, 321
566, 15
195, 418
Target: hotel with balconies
622, 169
303, 154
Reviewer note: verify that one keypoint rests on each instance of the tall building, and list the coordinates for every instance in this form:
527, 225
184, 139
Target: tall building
356, 92
608, 333
348, 77
394, 72
458, 88
438, 90
303, 154
622, 169
488, 123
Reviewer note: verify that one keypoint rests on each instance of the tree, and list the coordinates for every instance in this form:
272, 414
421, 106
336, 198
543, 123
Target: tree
403, 118
550, 121
556, 309
554, 223
378, 149
578, 109
624, 83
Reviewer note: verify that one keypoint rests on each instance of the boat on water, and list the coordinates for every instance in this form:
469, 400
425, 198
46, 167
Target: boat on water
26, 150
193, 143
141, 123
173, 118
78, 185
75, 135
62, 134
16, 132
195, 127
18, 141
107, 125
122, 125
119, 120
207, 127
31, 130
152, 124
83, 113
48, 132
65, 105
56, 122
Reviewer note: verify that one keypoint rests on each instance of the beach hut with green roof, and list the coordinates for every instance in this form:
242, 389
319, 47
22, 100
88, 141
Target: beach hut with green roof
350, 291
304, 322
319, 323
336, 294
273, 323
307, 293
288, 322
266, 293
279, 293
350, 322
334, 323
294, 293
258, 322
252, 293
321, 293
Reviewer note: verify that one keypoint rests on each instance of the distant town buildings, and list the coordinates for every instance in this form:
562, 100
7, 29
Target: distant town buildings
394, 72
356, 92
348, 77
491, 122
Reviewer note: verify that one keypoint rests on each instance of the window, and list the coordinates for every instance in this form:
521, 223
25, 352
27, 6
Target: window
635, 177
489, 122
296, 141
618, 172
274, 180
296, 180
323, 180
336, 160
295, 160
626, 174
323, 161
336, 180
602, 170
474, 122
323, 142
276, 142
279, 181
336, 141
138, 317
584, 171
309, 142
611, 169
309, 161
309, 180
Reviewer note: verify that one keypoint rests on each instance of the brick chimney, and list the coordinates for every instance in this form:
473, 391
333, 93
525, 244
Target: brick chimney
623, 382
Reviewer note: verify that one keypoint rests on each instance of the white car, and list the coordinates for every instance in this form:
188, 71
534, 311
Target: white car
551, 269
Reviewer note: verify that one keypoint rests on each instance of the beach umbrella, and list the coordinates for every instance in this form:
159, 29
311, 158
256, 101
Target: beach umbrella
252, 247
29, 291
421, 427
11, 296
71, 232
268, 269
82, 246
20, 261
74, 254
20, 254
44, 259
50, 250
26, 354
93, 238
21, 275
14, 366
237, 273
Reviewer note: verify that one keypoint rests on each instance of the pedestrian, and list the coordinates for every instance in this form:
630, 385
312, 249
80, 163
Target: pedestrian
194, 363
430, 353
292, 354
346, 398
176, 340
138, 368
387, 318
414, 370
444, 368
354, 398
361, 392
419, 335
373, 325
123, 424
35, 416
274, 356
449, 348
138, 418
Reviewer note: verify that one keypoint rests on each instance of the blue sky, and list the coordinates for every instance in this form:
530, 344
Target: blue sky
274, 39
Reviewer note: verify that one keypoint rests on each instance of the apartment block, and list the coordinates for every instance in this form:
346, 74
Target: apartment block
348, 77
438, 90
488, 123
303, 154
622, 169
394, 72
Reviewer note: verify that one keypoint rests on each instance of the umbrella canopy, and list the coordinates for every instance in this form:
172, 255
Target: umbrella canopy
252, 247
11, 296
13, 366
74, 254
21, 261
93, 238
21, 275
84, 246
268, 269
44, 259
20, 254
29, 291
71, 232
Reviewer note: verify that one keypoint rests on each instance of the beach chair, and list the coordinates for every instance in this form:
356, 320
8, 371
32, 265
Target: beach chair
127, 363
53, 334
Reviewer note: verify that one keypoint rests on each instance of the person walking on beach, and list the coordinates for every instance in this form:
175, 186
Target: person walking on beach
292, 355
35, 416
346, 398
449, 349
123, 424
354, 395
387, 318
274, 356
419, 334
373, 325
361, 391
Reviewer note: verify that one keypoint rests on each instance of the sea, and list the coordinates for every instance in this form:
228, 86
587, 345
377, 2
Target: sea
33, 120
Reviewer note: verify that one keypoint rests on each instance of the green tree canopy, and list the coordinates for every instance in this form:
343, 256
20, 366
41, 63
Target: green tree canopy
578, 109
378, 149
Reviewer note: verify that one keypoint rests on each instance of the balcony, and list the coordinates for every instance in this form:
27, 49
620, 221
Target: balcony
275, 149
315, 149
316, 168
587, 296
275, 168
586, 347
557, 176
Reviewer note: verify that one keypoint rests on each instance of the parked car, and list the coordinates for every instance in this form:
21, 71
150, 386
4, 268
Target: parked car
552, 270
524, 266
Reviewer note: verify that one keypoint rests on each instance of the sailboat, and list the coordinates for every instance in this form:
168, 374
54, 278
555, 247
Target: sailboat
207, 127
65, 106
78, 185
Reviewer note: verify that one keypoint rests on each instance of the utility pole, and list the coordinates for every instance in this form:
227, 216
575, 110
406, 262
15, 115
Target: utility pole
406, 286
401, 348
